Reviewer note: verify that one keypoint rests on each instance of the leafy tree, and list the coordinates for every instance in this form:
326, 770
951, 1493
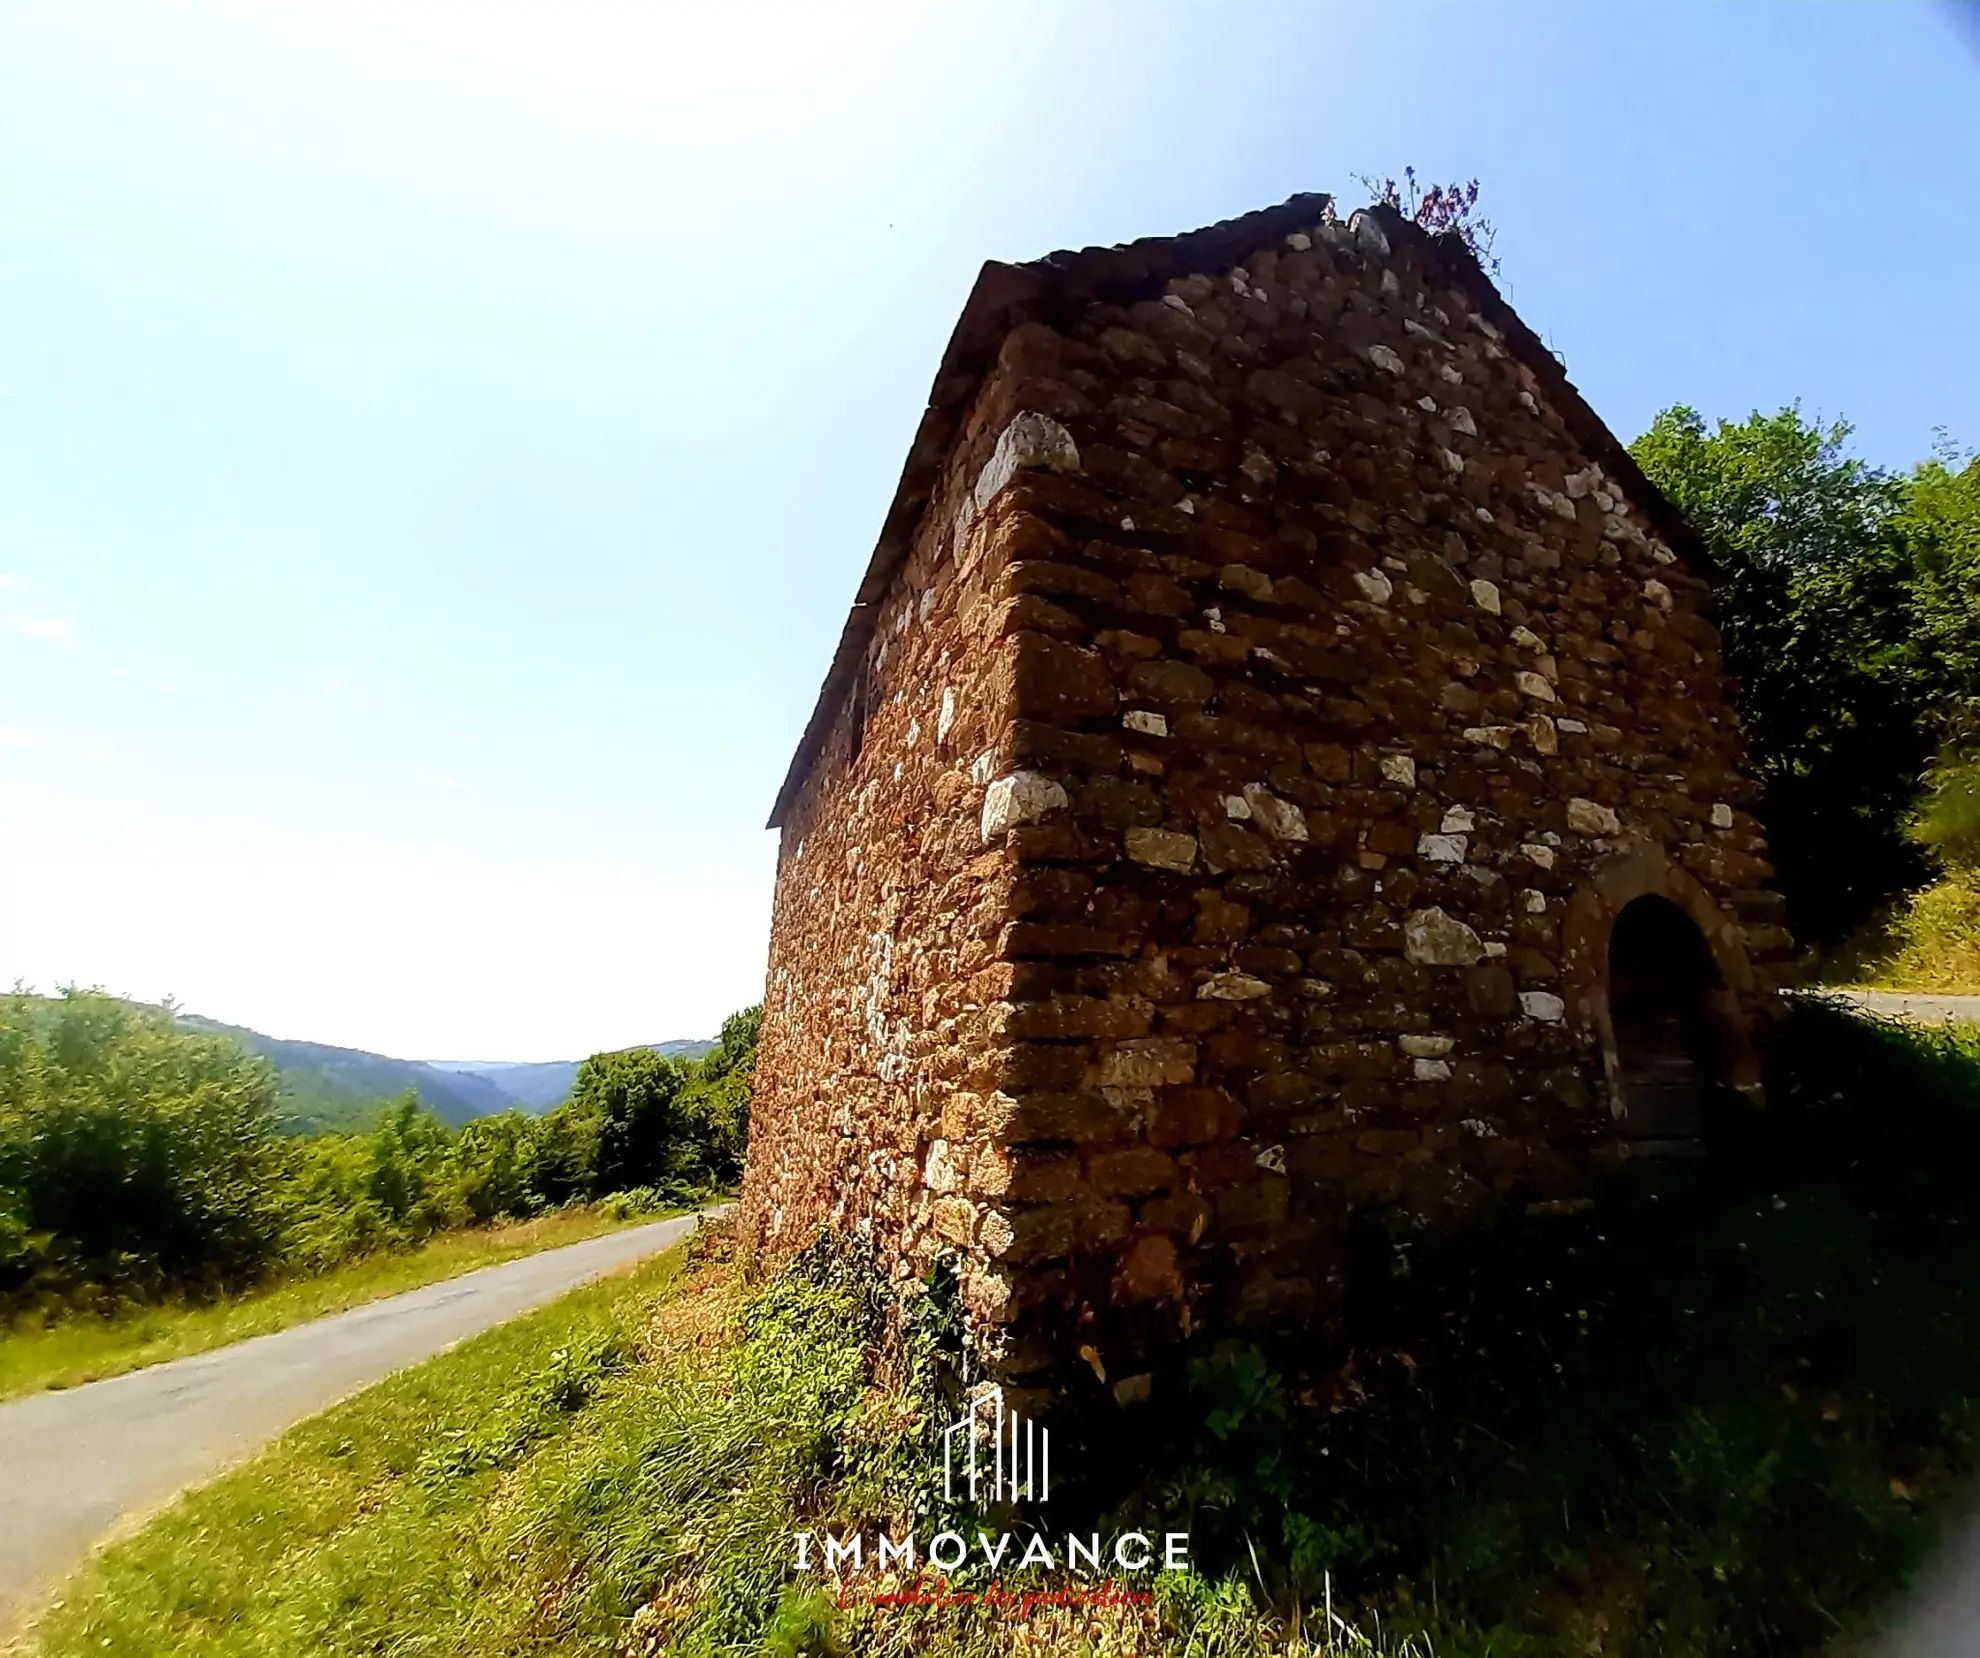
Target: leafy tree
1939, 525
390, 1185
139, 1158
716, 1100
640, 1131
678, 1125
496, 1164
1818, 606
1948, 820
565, 1151
133, 1155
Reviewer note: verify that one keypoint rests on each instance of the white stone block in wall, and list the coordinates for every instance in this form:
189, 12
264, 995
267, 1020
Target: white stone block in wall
1433, 939
1023, 797
1280, 819
1232, 987
1588, 817
1031, 440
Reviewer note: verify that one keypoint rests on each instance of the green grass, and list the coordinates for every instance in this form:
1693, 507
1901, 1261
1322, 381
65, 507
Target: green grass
80, 1349
1927, 944
451, 1508
617, 1473
1708, 1420
1933, 944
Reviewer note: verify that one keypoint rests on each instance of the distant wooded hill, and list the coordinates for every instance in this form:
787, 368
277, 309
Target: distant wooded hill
324, 1087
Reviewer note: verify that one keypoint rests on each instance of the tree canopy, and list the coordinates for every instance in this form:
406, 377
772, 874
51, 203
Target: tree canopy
1850, 611
140, 1158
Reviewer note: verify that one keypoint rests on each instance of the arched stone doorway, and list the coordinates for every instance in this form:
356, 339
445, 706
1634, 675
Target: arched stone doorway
1667, 1018
1657, 977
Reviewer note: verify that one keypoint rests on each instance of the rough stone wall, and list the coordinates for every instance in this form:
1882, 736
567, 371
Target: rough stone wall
1320, 699
888, 986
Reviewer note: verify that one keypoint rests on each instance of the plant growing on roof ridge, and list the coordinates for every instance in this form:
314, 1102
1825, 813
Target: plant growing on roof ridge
1441, 209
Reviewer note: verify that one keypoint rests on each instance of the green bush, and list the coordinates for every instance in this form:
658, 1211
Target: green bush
134, 1157
140, 1159
398, 1182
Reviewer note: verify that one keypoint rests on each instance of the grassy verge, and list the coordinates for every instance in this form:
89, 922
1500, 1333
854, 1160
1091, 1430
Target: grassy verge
1723, 1419
1930, 946
83, 1349
479, 1502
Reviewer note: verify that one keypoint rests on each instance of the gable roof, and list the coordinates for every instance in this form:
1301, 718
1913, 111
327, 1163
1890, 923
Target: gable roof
1006, 295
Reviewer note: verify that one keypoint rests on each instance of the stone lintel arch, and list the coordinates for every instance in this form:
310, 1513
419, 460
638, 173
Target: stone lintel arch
1644, 870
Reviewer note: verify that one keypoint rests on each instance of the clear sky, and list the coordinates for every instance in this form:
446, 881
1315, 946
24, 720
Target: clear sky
438, 442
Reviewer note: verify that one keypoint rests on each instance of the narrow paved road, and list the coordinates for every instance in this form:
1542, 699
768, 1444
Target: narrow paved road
74, 1463
1902, 1004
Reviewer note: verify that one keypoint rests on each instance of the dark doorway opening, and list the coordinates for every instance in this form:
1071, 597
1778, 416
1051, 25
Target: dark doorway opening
1670, 1048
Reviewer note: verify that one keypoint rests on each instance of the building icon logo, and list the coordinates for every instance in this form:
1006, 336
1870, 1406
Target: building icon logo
992, 1455
996, 1455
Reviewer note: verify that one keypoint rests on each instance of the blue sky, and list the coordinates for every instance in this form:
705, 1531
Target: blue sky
438, 442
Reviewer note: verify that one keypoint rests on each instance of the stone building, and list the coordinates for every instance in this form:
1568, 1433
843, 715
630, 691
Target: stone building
1278, 765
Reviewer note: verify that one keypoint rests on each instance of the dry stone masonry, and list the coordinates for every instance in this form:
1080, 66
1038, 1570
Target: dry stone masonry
1278, 765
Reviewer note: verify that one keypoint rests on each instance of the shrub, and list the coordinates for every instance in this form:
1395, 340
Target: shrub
135, 1157
140, 1159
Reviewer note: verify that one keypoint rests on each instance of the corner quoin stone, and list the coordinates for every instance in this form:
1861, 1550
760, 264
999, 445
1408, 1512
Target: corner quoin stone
1269, 685
1023, 797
